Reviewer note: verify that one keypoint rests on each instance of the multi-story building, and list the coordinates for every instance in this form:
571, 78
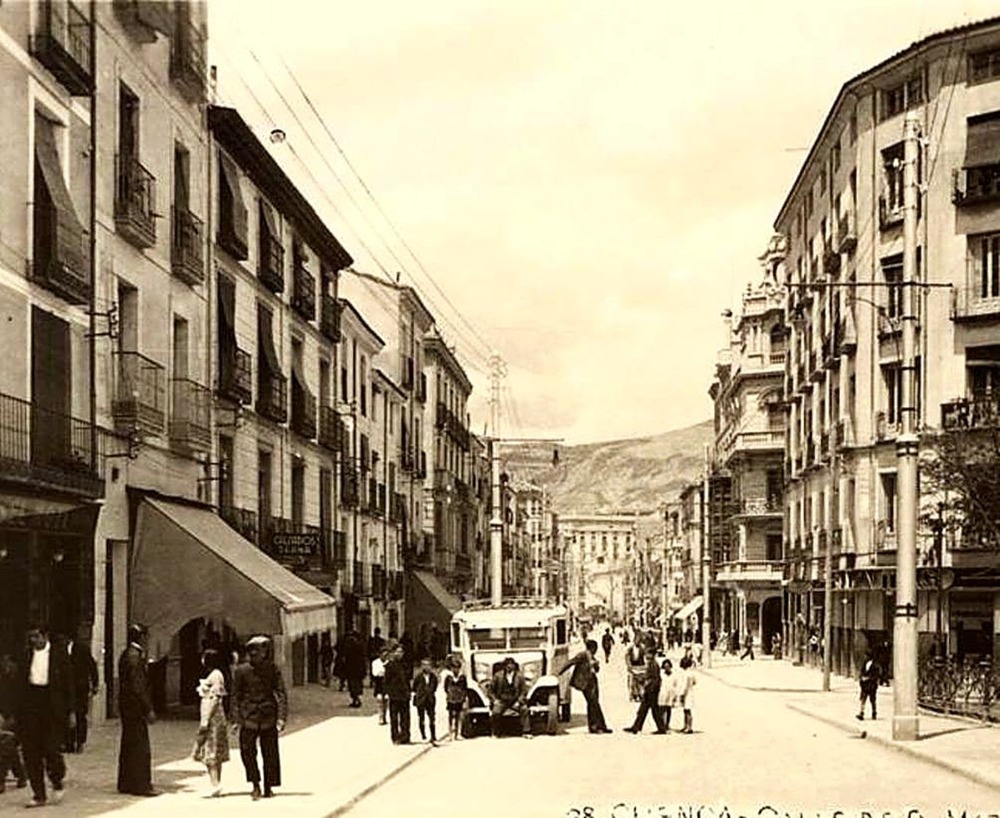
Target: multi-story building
749, 449
602, 558
690, 533
842, 220
481, 483
449, 487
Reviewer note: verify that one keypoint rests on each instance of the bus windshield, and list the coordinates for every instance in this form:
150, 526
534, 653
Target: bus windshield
487, 639
528, 637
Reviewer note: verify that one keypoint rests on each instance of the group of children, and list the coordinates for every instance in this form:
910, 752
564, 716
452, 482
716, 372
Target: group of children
662, 690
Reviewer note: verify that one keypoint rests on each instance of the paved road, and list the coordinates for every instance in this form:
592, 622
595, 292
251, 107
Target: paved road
750, 752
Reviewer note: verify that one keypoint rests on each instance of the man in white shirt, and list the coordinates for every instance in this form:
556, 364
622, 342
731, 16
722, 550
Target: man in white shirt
46, 709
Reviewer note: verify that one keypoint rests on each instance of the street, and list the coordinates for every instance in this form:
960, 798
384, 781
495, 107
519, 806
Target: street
749, 752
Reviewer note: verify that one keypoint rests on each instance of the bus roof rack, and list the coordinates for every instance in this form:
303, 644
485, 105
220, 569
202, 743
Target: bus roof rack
510, 602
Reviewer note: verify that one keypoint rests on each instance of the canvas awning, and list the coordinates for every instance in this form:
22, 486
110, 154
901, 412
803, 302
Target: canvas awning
188, 563
689, 608
269, 356
427, 600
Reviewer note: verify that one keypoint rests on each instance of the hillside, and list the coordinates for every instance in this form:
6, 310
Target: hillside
636, 474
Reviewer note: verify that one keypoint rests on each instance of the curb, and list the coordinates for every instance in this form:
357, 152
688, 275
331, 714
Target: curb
353, 802
755, 688
971, 775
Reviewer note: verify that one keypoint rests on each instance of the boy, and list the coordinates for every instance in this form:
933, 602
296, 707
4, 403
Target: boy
424, 697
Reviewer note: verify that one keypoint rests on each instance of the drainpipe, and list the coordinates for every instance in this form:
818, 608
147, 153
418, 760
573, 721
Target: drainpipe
92, 340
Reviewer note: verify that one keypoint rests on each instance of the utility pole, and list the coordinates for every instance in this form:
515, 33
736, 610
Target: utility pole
498, 370
905, 726
706, 567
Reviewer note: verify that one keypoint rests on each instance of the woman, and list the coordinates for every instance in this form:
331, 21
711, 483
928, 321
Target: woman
212, 747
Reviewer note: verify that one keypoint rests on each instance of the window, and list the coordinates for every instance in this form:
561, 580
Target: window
233, 219
182, 178
128, 124
835, 156
363, 387
984, 65
853, 127
298, 492
892, 272
822, 181
264, 486
892, 164
986, 265
889, 500
180, 356
907, 94
809, 203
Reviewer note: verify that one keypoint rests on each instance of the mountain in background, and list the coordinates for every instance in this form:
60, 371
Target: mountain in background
633, 475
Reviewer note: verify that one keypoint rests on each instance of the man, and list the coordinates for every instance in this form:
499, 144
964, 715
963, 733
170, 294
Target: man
84, 687
509, 696
585, 668
397, 689
355, 666
871, 673
748, 647
45, 706
606, 643
376, 644
325, 661
650, 694
135, 710
424, 698
260, 707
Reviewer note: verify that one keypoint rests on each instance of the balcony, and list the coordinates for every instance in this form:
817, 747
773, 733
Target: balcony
361, 584
885, 536
885, 429
235, 376
303, 292
755, 571
969, 304
824, 444
187, 59
380, 584
890, 215
397, 509
976, 412
272, 397
143, 19
63, 264
135, 202
303, 410
422, 388
831, 259
406, 458
329, 319
844, 433
338, 550
408, 379
62, 45
397, 590
190, 423
186, 257
847, 232
349, 488
762, 506
44, 449
422, 466
271, 263
241, 520
978, 185
140, 394
329, 429
777, 357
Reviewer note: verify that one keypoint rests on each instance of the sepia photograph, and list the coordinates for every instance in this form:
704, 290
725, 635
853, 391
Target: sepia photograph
489, 408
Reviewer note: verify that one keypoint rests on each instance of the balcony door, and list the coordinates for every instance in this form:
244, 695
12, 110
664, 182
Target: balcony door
128, 124
51, 385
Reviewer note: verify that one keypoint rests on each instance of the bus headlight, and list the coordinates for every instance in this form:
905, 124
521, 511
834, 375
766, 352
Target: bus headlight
481, 671
531, 670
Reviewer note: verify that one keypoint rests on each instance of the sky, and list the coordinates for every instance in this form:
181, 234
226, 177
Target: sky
579, 187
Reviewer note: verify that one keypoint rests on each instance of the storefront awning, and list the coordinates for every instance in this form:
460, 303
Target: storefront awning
427, 600
187, 563
689, 609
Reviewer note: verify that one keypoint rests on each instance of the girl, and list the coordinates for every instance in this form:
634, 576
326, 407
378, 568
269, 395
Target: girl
668, 694
685, 690
455, 688
212, 747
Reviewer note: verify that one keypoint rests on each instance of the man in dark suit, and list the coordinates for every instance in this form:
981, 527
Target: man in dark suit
509, 696
135, 711
84, 687
871, 674
650, 693
260, 707
45, 707
424, 698
585, 668
397, 689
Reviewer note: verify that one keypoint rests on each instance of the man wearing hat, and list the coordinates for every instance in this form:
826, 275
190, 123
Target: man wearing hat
135, 709
260, 707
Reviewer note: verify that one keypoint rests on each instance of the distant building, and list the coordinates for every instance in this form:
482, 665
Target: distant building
601, 549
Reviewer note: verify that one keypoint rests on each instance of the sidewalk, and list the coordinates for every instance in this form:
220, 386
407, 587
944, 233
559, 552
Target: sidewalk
963, 746
331, 756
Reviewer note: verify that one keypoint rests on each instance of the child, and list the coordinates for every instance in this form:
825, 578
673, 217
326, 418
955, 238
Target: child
455, 687
378, 683
668, 694
685, 691
10, 755
424, 689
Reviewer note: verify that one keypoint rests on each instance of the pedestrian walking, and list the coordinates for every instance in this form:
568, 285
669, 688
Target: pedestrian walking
668, 694
585, 668
424, 697
649, 696
747, 647
397, 690
607, 641
338, 662
871, 674
212, 742
260, 707
375, 646
44, 707
456, 688
355, 666
84, 688
685, 690
326, 662
378, 684
10, 754
135, 711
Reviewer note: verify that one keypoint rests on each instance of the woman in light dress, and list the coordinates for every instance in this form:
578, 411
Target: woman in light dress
685, 691
667, 697
212, 747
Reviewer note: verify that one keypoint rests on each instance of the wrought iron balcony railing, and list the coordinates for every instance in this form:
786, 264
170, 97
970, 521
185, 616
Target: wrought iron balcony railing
977, 185
303, 292
62, 44
241, 520
303, 410
135, 202
329, 319
271, 262
187, 59
361, 579
140, 394
847, 232
186, 256
890, 215
190, 417
329, 429
235, 376
976, 412
272, 397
